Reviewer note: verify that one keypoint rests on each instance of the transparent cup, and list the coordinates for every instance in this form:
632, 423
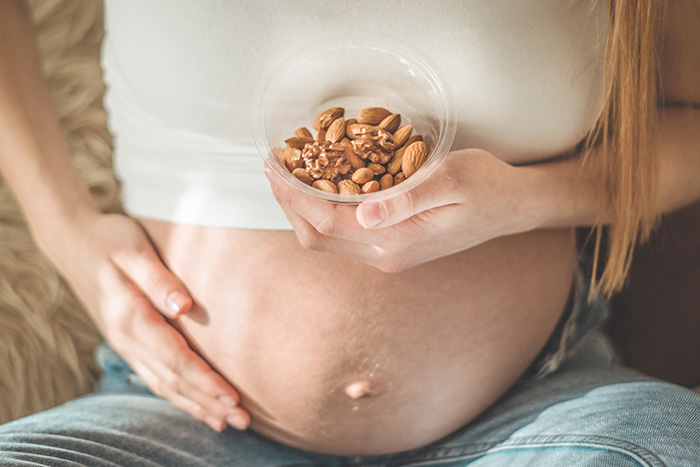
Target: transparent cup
374, 71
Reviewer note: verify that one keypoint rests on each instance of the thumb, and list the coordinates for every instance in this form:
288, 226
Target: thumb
165, 291
391, 211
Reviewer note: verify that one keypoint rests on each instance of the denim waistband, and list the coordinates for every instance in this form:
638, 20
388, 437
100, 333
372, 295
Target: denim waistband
581, 315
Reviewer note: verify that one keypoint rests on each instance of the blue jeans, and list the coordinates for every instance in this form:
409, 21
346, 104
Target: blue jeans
585, 410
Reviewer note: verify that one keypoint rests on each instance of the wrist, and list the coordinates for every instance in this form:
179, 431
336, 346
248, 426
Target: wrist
561, 194
530, 194
53, 226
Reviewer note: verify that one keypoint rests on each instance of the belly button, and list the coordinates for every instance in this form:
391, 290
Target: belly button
359, 389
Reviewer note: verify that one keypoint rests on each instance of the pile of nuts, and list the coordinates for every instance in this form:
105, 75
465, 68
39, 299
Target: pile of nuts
360, 155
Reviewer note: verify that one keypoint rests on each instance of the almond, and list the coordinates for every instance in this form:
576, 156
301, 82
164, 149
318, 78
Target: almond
298, 142
325, 185
387, 181
413, 158
324, 119
370, 187
390, 123
401, 135
362, 176
413, 139
355, 130
292, 158
372, 115
394, 166
348, 187
302, 175
370, 153
336, 130
303, 133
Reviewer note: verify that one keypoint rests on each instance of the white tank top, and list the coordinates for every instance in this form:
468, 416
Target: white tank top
526, 79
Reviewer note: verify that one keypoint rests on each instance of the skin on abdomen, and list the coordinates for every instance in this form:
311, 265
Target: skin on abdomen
335, 356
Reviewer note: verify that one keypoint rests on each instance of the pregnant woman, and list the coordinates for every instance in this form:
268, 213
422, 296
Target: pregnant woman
449, 325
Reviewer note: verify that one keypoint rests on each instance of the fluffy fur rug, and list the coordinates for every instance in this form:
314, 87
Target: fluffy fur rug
46, 338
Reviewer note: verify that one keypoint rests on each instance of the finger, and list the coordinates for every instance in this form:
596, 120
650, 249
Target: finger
328, 219
162, 356
184, 396
391, 211
144, 268
182, 403
184, 378
178, 365
333, 229
311, 239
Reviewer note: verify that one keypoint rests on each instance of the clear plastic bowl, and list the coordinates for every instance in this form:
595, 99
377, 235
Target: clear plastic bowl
375, 71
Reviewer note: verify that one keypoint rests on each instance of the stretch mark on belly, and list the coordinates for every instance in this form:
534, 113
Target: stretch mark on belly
358, 389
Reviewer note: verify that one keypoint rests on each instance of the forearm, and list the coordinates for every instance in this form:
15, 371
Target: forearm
568, 193
34, 155
679, 158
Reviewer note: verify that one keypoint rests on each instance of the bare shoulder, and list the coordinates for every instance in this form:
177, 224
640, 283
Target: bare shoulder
680, 52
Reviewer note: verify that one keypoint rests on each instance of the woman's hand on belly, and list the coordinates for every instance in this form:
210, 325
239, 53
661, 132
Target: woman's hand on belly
127, 289
471, 198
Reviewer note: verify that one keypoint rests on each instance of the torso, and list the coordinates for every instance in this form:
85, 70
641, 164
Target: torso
435, 344
331, 355
182, 76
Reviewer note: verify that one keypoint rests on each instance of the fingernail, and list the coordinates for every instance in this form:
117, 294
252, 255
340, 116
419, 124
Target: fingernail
371, 214
214, 423
228, 400
176, 301
237, 422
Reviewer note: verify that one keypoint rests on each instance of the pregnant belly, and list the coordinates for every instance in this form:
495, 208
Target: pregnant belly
337, 357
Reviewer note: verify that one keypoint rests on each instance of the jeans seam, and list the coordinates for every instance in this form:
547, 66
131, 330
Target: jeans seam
447, 454
70, 452
637, 453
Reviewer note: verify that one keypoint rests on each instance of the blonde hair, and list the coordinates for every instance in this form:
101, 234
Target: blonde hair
626, 132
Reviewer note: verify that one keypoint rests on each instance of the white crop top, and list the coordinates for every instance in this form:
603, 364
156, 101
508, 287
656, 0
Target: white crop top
526, 80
